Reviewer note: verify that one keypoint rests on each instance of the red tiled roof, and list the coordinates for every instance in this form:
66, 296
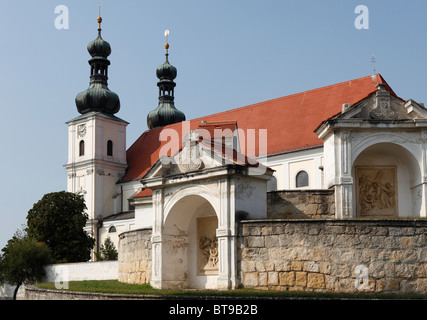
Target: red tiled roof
144, 193
290, 122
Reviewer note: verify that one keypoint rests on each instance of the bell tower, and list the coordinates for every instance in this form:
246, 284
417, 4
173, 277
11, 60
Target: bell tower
97, 140
165, 113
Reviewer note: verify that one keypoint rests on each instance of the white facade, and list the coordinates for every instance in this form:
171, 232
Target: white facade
357, 139
96, 161
219, 189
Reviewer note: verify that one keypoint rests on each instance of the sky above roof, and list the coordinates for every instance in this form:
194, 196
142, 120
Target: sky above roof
228, 54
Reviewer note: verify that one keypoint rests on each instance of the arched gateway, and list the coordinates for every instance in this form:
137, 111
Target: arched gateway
194, 229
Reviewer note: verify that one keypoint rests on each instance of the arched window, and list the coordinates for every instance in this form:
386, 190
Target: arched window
301, 179
112, 229
81, 148
109, 148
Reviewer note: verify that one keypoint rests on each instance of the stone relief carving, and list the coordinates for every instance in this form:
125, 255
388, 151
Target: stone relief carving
383, 110
207, 246
209, 249
189, 158
377, 190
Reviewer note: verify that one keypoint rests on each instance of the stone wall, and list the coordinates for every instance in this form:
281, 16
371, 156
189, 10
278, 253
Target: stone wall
301, 204
334, 255
135, 256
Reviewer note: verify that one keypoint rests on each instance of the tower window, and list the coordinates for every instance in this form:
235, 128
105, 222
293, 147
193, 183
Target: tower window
109, 148
302, 179
81, 148
112, 229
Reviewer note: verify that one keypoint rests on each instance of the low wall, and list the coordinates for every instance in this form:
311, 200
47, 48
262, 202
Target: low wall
34, 293
301, 204
97, 270
134, 265
387, 256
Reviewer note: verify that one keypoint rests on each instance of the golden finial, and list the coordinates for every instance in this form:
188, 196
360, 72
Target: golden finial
99, 16
167, 44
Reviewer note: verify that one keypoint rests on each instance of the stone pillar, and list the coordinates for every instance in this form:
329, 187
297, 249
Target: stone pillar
226, 235
156, 240
344, 180
423, 210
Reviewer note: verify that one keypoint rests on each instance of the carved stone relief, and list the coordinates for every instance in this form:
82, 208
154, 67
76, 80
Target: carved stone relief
189, 158
376, 191
207, 247
383, 110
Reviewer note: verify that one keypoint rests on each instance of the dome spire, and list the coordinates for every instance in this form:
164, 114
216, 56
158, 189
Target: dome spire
165, 113
98, 97
167, 44
99, 19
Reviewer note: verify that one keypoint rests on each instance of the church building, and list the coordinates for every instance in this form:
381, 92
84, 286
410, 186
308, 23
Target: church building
190, 181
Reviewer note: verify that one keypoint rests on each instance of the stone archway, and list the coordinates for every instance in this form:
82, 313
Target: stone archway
386, 182
189, 244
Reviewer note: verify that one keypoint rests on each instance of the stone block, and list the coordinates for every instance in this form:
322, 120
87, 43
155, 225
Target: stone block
271, 241
296, 265
311, 266
301, 279
269, 265
287, 278
255, 242
262, 278
250, 279
275, 254
260, 266
283, 265
273, 278
248, 266
315, 281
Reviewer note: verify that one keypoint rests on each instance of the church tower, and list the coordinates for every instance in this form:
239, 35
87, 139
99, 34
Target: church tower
97, 140
165, 113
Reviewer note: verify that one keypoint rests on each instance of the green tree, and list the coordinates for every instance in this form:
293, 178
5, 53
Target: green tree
58, 220
107, 251
22, 262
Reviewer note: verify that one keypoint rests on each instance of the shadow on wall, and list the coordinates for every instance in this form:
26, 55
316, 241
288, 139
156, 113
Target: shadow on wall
301, 204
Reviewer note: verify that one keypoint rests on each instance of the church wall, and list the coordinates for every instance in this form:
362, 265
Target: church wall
288, 165
120, 227
301, 204
387, 256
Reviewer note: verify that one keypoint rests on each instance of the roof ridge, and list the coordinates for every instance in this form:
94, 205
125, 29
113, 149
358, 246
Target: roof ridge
379, 79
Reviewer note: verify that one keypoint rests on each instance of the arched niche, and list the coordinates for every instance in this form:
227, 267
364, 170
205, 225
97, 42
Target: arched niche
189, 244
387, 180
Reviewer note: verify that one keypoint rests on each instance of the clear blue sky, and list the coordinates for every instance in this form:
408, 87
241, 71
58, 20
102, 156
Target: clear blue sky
229, 53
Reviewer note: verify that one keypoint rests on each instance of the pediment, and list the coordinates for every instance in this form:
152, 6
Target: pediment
383, 106
198, 155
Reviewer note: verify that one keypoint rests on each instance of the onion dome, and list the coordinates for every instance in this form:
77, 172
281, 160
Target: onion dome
98, 97
165, 113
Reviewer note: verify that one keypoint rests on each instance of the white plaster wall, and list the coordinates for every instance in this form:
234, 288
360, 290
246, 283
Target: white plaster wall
144, 215
287, 165
250, 196
121, 226
101, 270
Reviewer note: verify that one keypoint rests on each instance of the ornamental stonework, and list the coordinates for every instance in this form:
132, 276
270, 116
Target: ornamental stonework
207, 251
376, 191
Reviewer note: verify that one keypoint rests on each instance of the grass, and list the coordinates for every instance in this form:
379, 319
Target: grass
116, 287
